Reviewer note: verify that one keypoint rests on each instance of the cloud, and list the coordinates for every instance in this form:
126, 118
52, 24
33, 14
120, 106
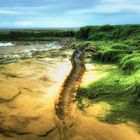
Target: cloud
110, 7
72, 13
19, 10
23, 23
6, 11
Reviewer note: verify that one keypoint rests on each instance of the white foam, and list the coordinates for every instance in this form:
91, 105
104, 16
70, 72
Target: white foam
6, 44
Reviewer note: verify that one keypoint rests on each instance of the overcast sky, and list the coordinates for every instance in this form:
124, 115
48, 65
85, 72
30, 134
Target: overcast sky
67, 13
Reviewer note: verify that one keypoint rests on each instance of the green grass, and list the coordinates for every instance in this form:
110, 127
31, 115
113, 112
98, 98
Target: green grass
120, 46
121, 87
119, 90
110, 55
109, 32
130, 63
15, 35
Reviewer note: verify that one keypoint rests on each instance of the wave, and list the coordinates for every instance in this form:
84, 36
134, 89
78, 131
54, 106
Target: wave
8, 44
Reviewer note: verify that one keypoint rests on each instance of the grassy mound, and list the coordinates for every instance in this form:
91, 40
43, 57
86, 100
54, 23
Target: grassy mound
131, 63
121, 91
121, 87
110, 55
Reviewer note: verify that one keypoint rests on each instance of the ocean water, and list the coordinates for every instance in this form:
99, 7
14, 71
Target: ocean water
20, 49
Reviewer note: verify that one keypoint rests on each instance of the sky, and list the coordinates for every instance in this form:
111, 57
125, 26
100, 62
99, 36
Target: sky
67, 13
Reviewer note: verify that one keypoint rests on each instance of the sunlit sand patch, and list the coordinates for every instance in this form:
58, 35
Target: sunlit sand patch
93, 73
97, 109
90, 129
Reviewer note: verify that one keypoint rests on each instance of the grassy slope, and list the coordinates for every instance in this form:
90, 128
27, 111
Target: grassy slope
121, 87
118, 90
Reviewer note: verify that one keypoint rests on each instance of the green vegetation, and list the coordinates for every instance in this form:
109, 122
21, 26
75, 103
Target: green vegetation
131, 63
121, 87
121, 91
109, 32
35, 34
110, 55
